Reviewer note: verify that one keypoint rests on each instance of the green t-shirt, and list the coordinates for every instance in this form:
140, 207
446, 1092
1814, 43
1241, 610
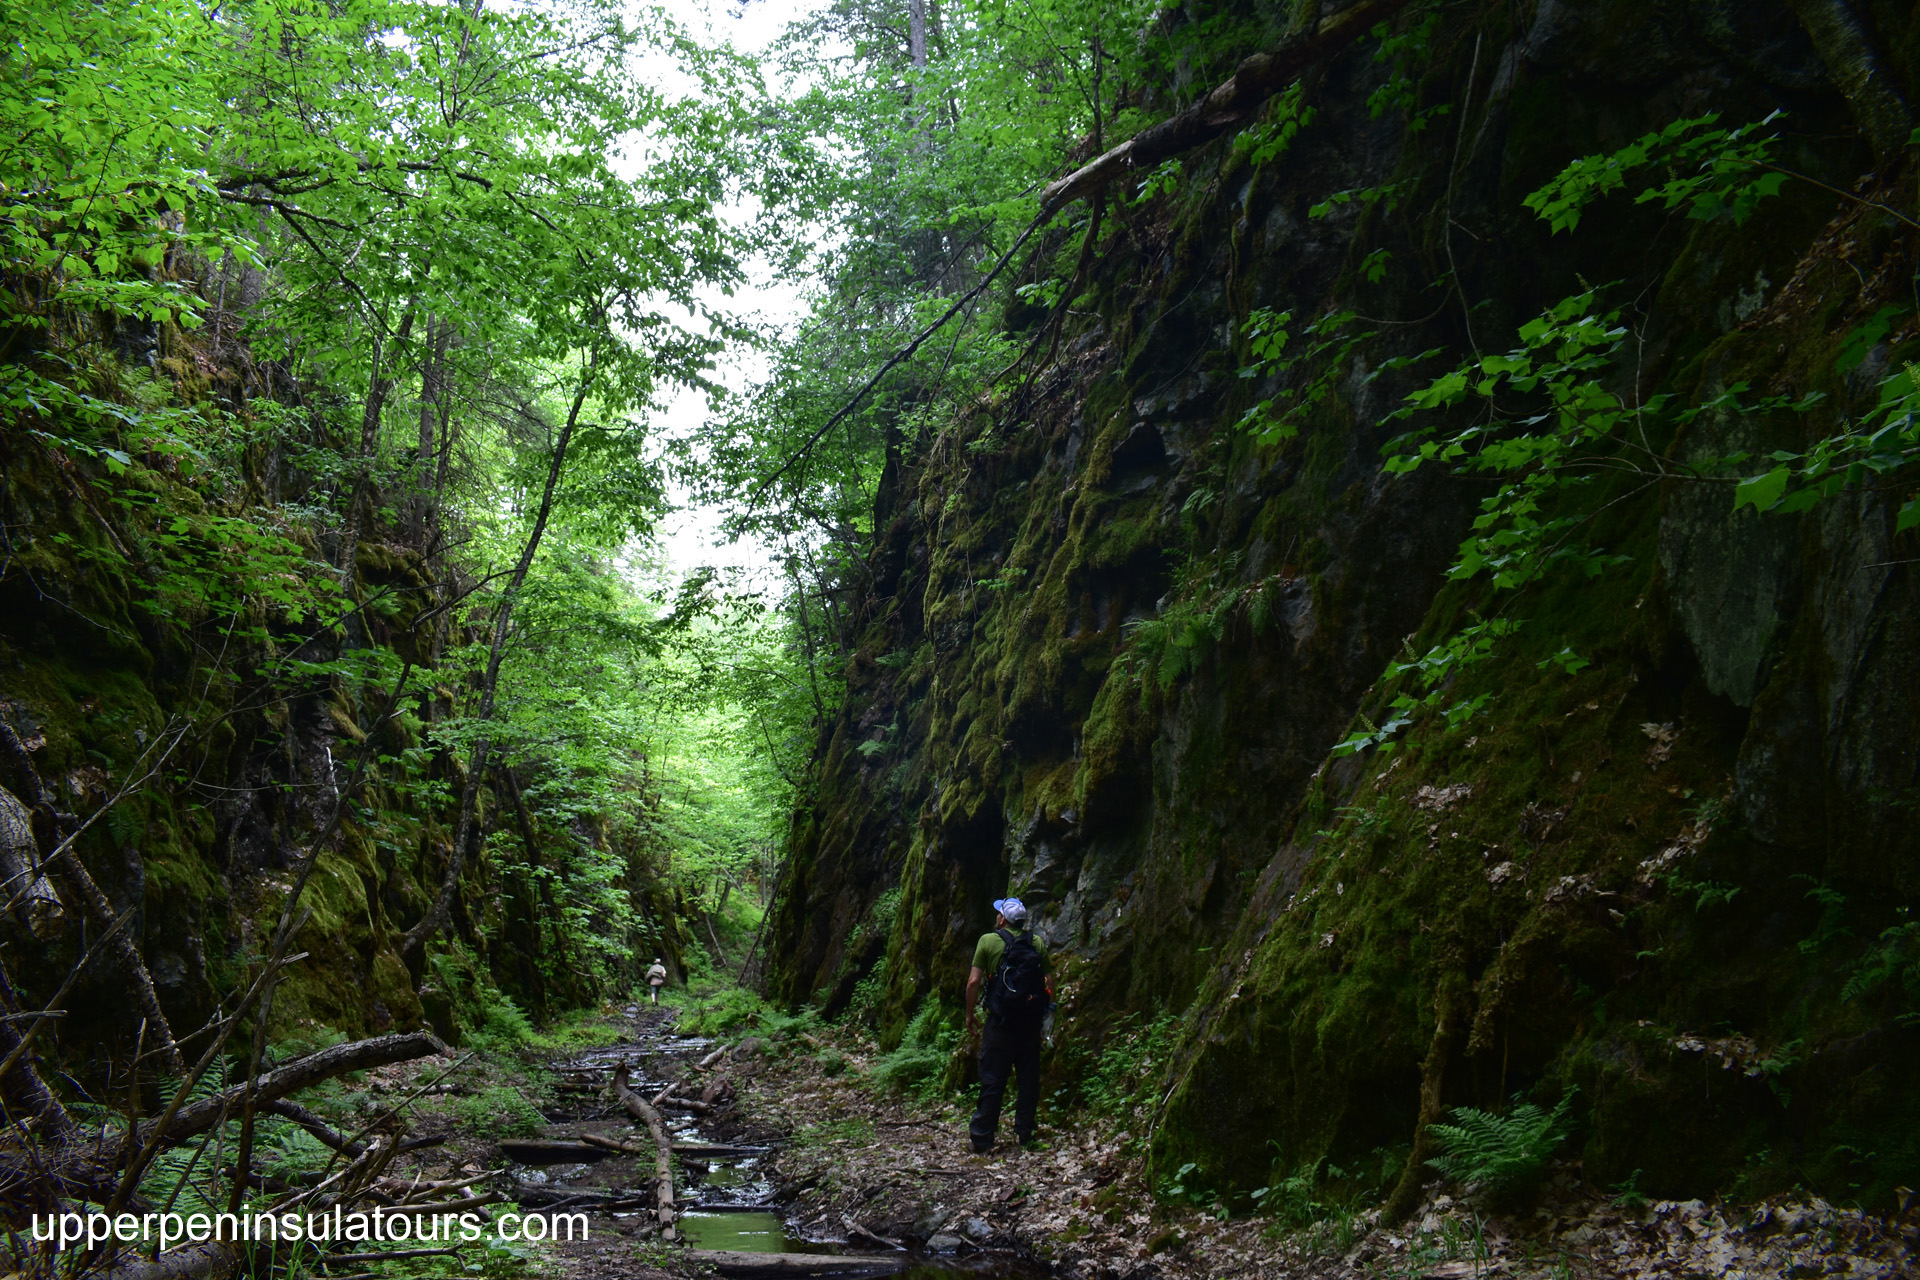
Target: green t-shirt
986, 955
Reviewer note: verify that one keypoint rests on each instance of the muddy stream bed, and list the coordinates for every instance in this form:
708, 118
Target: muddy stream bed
731, 1213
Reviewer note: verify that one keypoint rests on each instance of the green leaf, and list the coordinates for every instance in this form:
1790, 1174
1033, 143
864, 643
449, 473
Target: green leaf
1763, 492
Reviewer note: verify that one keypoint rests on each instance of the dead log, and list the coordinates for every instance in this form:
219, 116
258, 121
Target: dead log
268, 1086
614, 1144
22, 881
313, 1124
641, 1110
712, 1058
387, 1255
445, 1206
715, 1151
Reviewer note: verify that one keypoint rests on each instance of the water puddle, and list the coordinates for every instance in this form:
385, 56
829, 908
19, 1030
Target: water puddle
744, 1232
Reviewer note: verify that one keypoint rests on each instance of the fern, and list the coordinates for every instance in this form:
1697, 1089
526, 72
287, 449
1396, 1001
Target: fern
1504, 1154
919, 1063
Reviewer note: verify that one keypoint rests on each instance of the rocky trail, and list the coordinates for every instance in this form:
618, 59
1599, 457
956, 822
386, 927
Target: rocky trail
788, 1159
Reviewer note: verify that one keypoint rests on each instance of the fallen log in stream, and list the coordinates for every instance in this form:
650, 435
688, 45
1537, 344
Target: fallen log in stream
640, 1109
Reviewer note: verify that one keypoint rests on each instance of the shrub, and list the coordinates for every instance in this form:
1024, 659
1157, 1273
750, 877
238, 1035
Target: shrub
1124, 1074
499, 1112
723, 1012
921, 1059
1504, 1154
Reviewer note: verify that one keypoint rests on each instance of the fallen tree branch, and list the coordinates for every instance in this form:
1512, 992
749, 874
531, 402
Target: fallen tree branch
390, 1255
313, 1124
641, 1110
1230, 105
357, 1055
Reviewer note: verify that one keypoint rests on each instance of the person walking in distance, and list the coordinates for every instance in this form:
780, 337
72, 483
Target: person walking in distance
657, 978
1014, 972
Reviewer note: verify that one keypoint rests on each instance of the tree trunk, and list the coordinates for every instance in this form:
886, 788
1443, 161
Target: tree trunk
437, 914
917, 32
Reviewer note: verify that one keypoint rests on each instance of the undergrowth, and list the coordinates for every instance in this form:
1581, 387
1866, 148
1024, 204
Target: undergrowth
919, 1063
1502, 1154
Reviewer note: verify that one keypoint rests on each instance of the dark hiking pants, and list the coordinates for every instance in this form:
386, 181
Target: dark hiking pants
1004, 1050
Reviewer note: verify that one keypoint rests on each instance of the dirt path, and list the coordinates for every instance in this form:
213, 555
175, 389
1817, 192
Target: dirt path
860, 1163
858, 1167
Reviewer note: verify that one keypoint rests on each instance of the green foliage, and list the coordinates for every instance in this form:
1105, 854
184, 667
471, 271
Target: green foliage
723, 1013
1325, 354
1186, 1185
499, 1111
1712, 172
1123, 1075
489, 1019
1505, 1154
1892, 960
1267, 141
1705, 893
917, 1064
1433, 676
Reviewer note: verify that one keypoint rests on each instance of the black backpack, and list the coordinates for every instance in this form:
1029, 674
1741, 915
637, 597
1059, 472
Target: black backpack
1018, 996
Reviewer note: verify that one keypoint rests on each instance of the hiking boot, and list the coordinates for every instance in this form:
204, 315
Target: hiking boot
1033, 1143
982, 1148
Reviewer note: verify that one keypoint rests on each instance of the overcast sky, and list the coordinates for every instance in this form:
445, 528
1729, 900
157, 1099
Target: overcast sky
690, 537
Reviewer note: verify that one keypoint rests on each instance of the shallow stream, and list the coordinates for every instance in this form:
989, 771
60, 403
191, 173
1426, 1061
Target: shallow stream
729, 1204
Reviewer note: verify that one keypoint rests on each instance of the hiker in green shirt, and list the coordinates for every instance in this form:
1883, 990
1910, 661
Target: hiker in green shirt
1011, 967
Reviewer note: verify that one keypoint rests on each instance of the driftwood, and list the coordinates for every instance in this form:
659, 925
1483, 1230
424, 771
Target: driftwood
711, 1058
855, 1229
640, 1109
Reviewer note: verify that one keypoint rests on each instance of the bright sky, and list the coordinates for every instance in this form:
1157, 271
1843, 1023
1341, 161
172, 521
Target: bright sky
691, 537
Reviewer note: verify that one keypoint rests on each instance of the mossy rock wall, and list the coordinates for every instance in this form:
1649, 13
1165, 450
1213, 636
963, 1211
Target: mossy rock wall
1550, 883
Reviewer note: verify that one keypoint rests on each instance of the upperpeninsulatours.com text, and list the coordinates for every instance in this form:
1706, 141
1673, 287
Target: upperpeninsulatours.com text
65, 1230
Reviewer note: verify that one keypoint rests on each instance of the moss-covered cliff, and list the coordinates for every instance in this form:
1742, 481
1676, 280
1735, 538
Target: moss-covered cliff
1111, 638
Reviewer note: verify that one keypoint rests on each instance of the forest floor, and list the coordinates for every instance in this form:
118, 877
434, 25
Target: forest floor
859, 1166
896, 1166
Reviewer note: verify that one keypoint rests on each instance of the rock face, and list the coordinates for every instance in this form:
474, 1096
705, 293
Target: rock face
1110, 640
